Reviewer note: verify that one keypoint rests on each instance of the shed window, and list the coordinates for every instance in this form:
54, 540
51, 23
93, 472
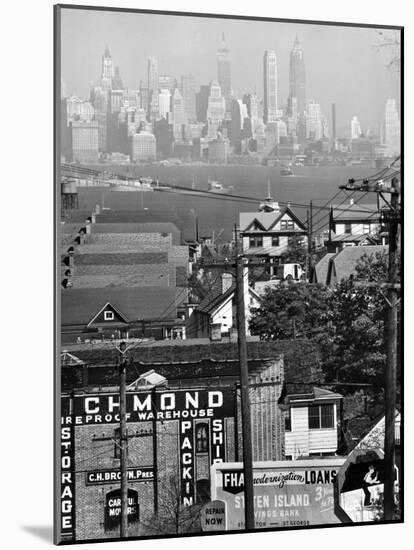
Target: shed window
109, 315
321, 416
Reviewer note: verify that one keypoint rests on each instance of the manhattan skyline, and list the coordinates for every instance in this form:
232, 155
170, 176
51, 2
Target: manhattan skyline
345, 57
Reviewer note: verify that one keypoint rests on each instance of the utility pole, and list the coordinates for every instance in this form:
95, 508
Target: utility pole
123, 440
391, 216
245, 399
391, 368
310, 239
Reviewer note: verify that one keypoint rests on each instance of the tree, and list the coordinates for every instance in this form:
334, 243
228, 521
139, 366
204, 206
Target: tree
173, 517
290, 311
347, 322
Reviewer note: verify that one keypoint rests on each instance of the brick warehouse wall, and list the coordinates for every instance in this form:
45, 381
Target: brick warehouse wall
268, 430
95, 450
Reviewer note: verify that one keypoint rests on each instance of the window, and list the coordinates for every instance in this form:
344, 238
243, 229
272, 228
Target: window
348, 228
287, 224
321, 416
275, 241
202, 438
255, 241
109, 315
366, 228
288, 421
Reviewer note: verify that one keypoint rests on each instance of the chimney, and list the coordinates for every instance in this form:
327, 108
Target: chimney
226, 281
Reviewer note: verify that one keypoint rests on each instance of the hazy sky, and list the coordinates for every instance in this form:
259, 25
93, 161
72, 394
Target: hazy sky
343, 64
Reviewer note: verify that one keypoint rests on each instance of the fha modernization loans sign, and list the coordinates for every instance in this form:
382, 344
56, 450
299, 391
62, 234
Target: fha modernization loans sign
286, 493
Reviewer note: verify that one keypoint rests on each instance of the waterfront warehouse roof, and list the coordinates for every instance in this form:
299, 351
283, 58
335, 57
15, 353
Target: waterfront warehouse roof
80, 306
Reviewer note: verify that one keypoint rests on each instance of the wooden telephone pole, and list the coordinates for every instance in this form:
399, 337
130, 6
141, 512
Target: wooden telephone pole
123, 440
390, 216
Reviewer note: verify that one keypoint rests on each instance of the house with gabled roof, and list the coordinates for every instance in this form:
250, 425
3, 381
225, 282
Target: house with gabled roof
122, 312
354, 225
266, 234
215, 316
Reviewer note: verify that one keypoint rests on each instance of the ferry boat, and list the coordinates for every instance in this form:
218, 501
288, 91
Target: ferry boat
217, 187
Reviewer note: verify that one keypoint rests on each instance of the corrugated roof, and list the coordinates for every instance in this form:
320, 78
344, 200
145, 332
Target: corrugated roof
132, 258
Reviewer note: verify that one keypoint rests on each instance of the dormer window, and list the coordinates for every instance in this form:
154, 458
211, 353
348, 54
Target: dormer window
109, 315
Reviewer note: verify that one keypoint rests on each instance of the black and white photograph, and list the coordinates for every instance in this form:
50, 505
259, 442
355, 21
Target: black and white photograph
228, 273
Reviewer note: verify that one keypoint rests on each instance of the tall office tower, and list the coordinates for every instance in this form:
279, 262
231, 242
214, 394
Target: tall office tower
178, 114
355, 128
152, 87
189, 96
238, 116
117, 83
333, 123
224, 71
85, 141
202, 102
270, 86
314, 126
143, 96
166, 82
216, 109
164, 103
99, 100
107, 70
251, 102
392, 128
152, 74
297, 76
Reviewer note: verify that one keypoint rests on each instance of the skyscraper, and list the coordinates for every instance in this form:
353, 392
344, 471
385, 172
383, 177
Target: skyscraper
355, 128
152, 88
314, 122
270, 86
224, 71
117, 83
164, 103
392, 128
178, 114
107, 70
188, 93
216, 103
297, 76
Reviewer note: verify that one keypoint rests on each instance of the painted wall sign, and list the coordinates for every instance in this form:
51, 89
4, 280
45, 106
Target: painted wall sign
113, 508
67, 484
98, 477
218, 450
286, 493
187, 462
169, 405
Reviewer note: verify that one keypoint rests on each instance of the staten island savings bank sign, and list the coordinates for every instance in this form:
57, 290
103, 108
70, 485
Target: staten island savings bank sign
286, 493
142, 407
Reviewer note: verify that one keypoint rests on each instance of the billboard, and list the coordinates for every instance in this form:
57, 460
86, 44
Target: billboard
291, 493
